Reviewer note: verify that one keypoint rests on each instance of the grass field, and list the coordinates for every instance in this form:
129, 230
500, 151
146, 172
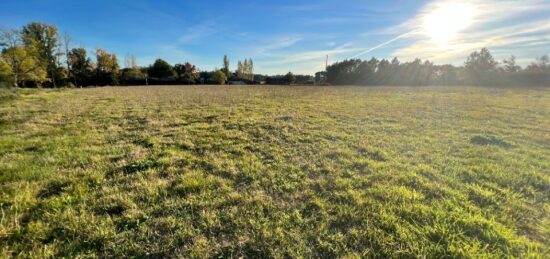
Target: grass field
275, 172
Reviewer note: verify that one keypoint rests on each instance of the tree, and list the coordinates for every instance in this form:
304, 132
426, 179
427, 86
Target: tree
66, 46
510, 65
445, 75
250, 69
290, 78
133, 61
107, 68
6, 75
225, 68
180, 71
79, 65
161, 70
345, 72
240, 71
42, 40
24, 67
187, 73
383, 72
132, 74
218, 77
479, 68
481, 62
544, 62
245, 70
10, 38
191, 74
367, 70
130, 61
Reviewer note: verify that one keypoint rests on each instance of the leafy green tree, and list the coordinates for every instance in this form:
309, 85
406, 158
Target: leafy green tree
24, 66
41, 40
480, 67
445, 75
290, 78
79, 65
107, 68
218, 77
345, 72
367, 71
161, 70
180, 71
132, 74
225, 68
481, 62
6, 75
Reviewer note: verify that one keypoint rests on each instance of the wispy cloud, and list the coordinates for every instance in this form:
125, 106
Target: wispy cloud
383, 44
196, 33
277, 43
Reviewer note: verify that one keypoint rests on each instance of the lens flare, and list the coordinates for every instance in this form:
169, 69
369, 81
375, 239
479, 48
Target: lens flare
444, 22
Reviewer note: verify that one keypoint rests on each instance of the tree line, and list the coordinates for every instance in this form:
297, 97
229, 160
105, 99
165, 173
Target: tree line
37, 55
480, 68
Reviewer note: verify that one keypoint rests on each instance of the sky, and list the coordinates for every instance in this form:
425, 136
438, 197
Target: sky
284, 35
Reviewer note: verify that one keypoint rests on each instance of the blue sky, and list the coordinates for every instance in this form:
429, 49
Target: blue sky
282, 36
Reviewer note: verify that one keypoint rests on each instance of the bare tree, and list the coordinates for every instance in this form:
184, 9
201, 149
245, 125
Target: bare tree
130, 61
10, 38
133, 61
66, 42
510, 65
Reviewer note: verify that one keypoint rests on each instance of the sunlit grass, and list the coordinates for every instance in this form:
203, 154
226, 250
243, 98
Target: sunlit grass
275, 172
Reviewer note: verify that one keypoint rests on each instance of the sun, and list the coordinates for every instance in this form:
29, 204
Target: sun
443, 23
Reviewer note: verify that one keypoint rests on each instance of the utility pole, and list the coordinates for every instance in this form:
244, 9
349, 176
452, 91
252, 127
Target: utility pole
326, 64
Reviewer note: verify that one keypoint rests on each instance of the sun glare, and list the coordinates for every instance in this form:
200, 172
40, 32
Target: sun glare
444, 22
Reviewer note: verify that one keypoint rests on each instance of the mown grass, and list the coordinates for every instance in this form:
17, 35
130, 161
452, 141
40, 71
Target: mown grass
275, 172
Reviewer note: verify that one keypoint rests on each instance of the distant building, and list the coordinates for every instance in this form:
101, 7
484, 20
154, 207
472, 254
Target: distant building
321, 78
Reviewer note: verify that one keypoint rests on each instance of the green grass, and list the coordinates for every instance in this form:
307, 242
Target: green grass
275, 172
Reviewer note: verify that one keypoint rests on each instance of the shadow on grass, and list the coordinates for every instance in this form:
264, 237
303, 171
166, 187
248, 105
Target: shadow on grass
375, 155
136, 167
54, 188
140, 165
484, 140
143, 143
